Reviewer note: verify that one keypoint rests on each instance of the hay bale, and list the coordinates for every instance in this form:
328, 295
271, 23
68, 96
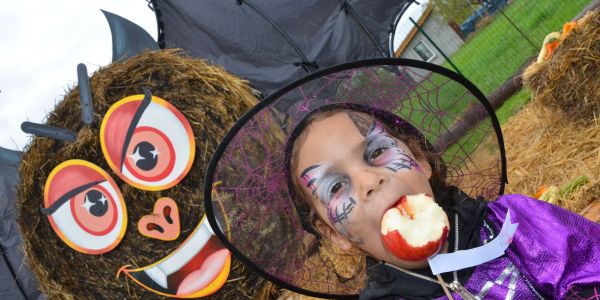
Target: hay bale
543, 147
209, 97
570, 80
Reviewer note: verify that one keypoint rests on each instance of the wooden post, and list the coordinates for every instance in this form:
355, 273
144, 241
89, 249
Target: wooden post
478, 113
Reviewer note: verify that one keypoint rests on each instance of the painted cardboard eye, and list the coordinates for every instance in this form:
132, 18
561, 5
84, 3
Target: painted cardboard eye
147, 142
85, 207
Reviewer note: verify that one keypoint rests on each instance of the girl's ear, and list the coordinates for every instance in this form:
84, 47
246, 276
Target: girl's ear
333, 236
425, 166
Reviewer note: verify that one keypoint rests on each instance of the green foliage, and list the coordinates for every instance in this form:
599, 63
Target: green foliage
497, 51
454, 10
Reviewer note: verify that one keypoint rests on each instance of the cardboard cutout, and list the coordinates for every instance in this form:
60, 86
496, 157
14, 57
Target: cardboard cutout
85, 207
199, 267
163, 223
147, 142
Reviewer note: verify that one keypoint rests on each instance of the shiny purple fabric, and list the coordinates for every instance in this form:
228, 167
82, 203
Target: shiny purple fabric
554, 248
490, 273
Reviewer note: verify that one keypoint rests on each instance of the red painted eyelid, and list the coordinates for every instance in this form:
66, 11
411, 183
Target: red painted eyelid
69, 174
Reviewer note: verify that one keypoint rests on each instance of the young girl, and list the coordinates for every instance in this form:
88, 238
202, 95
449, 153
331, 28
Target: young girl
322, 166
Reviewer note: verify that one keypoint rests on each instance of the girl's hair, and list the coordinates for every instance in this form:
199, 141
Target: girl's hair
417, 144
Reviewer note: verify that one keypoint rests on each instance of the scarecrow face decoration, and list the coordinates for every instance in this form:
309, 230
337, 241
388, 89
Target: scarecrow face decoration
119, 179
149, 144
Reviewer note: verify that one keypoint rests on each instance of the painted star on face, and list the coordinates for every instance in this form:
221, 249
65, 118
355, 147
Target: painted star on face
136, 156
154, 153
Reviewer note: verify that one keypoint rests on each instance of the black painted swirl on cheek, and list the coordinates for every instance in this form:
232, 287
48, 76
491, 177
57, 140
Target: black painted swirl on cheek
402, 161
340, 211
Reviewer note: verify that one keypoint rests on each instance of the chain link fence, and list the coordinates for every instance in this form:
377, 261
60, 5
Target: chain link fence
488, 41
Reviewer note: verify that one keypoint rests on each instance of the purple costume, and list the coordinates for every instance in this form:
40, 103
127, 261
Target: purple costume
557, 251
555, 254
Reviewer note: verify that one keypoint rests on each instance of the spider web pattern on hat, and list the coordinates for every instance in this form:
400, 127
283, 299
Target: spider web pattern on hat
249, 190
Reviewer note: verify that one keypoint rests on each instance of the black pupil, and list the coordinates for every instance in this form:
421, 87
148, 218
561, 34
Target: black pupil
377, 152
149, 156
99, 203
336, 188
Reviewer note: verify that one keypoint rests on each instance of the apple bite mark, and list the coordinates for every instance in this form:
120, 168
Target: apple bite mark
414, 228
405, 208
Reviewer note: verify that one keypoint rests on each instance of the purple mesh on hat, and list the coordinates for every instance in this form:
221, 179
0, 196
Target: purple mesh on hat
247, 193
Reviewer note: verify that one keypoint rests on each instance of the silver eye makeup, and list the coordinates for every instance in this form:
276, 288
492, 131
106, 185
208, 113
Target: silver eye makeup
334, 189
331, 186
379, 143
383, 151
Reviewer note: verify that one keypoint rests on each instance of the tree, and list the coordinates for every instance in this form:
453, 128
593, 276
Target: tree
455, 10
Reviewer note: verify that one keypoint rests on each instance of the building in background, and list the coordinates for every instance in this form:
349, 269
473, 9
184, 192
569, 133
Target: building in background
417, 46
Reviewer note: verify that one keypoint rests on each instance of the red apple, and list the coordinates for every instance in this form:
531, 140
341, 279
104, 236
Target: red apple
414, 228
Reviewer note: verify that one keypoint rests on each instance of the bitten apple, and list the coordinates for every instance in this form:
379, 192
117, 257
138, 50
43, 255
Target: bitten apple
414, 228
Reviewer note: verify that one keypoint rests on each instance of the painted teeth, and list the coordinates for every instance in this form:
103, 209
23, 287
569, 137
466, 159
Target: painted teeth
181, 256
158, 276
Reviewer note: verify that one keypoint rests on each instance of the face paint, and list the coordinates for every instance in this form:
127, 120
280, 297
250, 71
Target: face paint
330, 189
334, 189
339, 210
309, 177
383, 151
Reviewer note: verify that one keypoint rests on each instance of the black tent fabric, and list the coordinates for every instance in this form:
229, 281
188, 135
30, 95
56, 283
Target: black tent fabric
16, 281
274, 42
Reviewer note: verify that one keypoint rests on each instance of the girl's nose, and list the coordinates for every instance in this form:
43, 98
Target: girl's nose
370, 182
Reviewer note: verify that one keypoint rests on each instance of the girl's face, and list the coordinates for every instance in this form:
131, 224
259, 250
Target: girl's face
355, 171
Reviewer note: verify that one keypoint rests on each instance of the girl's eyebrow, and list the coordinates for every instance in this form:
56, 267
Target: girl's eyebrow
308, 170
361, 122
307, 178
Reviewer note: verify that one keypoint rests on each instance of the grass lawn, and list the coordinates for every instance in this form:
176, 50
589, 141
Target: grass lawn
472, 139
497, 51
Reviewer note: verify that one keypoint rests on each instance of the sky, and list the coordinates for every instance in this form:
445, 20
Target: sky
43, 42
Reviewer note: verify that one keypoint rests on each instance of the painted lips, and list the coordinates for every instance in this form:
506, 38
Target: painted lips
414, 228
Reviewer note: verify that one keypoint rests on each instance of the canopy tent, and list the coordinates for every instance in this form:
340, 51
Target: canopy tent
16, 281
272, 43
